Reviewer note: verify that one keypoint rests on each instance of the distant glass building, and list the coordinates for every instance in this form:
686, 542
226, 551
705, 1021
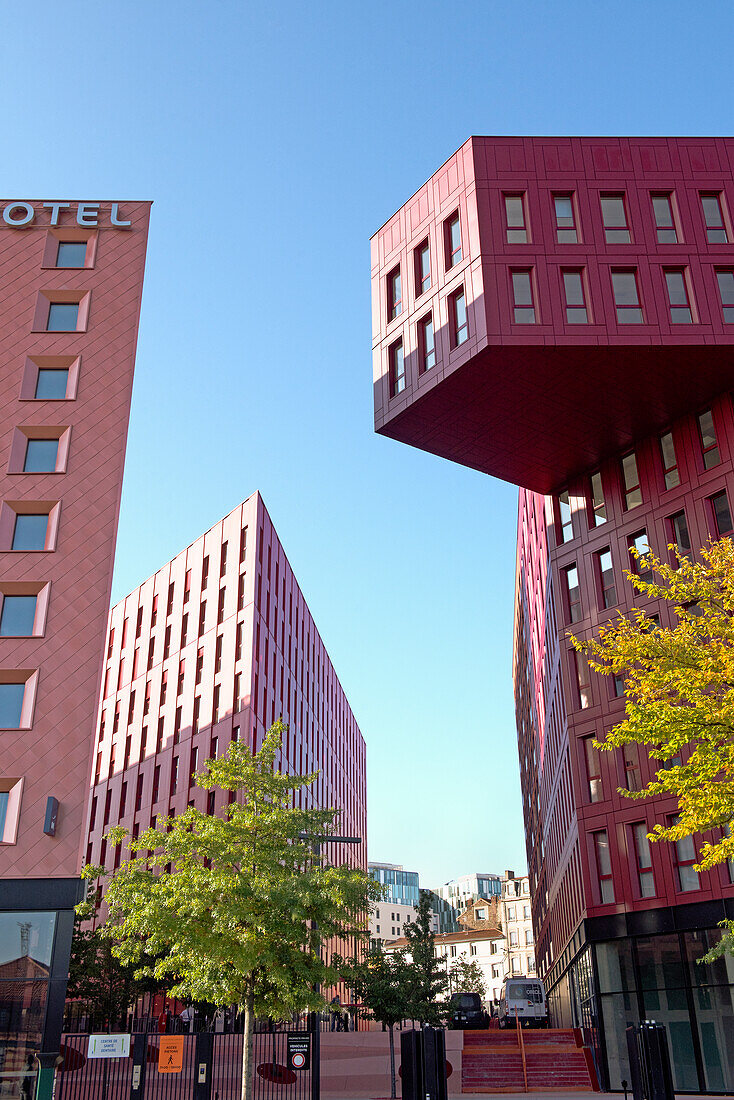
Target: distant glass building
402, 886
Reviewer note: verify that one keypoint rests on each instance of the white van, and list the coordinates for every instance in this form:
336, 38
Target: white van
526, 996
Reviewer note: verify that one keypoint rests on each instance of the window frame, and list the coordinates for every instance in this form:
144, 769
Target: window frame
727, 307
630, 489
572, 235
714, 515
624, 310
394, 293
575, 307
456, 330
520, 306
603, 878
574, 608
710, 453
625, 227
605, 589
452, 256
662, 228
669, 470
422, 281
723, 227
516, 233
644, 871
424, 352
594, 504
396, 378
674, 308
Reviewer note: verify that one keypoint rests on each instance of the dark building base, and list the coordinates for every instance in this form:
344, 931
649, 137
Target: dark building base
629, 967
36, 926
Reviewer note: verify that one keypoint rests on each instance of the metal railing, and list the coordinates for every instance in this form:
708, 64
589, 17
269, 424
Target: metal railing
521, 1044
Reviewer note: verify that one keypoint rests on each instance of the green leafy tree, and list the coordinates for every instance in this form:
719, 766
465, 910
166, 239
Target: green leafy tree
466, 976
430, 979
679, 687
385, 983
236, 909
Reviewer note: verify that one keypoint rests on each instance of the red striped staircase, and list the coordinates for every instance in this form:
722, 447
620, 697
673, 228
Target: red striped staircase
556, 1061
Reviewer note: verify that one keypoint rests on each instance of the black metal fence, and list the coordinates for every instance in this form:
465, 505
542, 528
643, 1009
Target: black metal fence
83, 1078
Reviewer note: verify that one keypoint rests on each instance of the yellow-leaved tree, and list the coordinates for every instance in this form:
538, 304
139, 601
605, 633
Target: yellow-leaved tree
679, 688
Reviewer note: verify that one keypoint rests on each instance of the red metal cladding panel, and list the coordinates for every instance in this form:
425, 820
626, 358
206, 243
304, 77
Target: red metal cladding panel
548, 379
215, 647
50, 756
572, 792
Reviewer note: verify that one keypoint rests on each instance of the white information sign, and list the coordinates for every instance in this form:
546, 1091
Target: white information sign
108, 1046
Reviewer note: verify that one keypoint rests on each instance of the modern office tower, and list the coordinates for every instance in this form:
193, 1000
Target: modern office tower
454, 896
71, 277
213, 648
400, 904
559, 312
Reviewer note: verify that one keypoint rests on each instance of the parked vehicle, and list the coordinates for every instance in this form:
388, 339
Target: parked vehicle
522, 999
467, 1011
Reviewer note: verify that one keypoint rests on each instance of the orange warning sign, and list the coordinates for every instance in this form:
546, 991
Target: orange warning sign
170, 1054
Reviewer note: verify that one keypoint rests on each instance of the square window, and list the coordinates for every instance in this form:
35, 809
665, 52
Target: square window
40, 456
52, 383
566, 232
714, 219
62, 317
725, 280
626, 298
17, 616
71, 254
614, 218
11, 704
29, 532
662, 209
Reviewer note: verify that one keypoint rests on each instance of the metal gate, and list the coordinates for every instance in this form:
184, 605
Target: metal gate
82, 1078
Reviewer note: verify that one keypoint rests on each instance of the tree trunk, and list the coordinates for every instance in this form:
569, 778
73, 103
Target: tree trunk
393, 1091
247, 1042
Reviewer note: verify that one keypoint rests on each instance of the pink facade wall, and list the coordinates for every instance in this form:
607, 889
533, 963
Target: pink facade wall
52, 755
559, 834
522, 401
272, 664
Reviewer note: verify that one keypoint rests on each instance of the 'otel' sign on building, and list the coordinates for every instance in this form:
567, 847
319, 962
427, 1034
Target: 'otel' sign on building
20, 214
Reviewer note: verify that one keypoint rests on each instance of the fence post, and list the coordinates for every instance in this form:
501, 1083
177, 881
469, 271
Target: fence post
140, 1061
203, 1062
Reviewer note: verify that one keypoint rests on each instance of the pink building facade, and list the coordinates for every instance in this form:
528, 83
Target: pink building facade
559, 313
71, 276
215, 647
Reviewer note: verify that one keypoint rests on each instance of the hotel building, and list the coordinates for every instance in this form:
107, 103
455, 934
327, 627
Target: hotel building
71, 278
559, 313
213, 648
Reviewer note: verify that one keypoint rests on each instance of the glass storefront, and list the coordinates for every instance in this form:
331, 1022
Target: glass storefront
26, 948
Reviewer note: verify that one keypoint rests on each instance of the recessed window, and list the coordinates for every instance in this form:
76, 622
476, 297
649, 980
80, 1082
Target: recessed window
598, 504
670, 462
515, 223
614, 219
662, 208
12, 696
606, 578
397, 368
573, 593
29, 531
17, 616
679, 532
631, 480
643, 860
394, 294
426, 343
71, 254
603, 866
593, 769
566, 232
725, 280
422, 255
565, 522
583, 679
573, 289
721, 514
626, 298
707, 434
10, 792
631, 764
458, 317
522, 297
713, 218
51, 383
452, 240
638, 564
40, 456
680, 306
62, 317
685, 858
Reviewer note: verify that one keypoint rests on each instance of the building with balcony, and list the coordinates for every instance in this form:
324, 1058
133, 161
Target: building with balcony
214, 648
559, 313
71, 275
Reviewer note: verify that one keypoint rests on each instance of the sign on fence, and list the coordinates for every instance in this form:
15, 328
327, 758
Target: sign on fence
170, 1054
108, 1046
299, 1050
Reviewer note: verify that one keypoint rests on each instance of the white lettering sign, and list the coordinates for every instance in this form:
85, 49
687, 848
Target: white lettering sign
108, 1046
19, 214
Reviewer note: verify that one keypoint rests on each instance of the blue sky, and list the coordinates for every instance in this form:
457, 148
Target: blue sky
274, 139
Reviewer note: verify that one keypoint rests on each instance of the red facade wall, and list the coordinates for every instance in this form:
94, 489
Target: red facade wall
535, 403
52, 756
272, 664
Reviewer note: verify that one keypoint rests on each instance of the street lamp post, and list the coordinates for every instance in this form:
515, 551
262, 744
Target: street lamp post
317, 839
